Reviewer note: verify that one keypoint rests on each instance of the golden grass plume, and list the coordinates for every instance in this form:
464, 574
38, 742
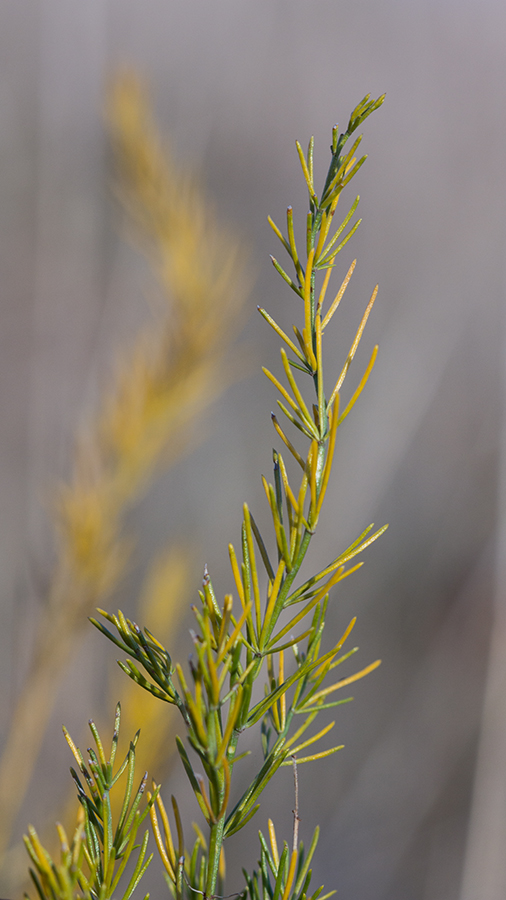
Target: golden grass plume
175, 368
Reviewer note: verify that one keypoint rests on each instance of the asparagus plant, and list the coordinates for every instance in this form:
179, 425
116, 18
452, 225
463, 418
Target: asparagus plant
272, 628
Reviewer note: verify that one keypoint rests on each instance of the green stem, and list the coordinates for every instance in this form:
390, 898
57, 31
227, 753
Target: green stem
216, 830
213, 860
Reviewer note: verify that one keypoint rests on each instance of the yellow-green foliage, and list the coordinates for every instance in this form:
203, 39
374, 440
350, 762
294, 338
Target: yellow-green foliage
59, 879
104, 843
246, 636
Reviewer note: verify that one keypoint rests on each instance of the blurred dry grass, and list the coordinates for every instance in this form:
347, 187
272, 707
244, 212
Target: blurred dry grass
177, 366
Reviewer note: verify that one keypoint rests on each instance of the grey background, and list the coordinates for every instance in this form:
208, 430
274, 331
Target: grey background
234, 84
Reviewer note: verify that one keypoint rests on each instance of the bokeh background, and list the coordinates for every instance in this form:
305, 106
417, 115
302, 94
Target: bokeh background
405, 810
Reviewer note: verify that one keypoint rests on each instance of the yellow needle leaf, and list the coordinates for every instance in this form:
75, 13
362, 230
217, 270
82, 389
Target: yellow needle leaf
361, 386
288, 443
345, 681
274, 843
354, 346
313, 739
339, 295
291, 874
321, 755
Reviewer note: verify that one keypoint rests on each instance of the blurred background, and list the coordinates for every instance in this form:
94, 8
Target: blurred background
415, 806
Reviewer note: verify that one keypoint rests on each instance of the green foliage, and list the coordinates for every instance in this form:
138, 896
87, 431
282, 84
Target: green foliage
288, 875
58, 881
93, 865
237, 642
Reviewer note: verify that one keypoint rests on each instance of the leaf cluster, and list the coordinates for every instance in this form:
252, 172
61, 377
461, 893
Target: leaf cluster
94, 864
58, 880
285, 876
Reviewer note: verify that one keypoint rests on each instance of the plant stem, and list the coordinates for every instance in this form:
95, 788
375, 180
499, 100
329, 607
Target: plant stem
213, 861
216, 830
